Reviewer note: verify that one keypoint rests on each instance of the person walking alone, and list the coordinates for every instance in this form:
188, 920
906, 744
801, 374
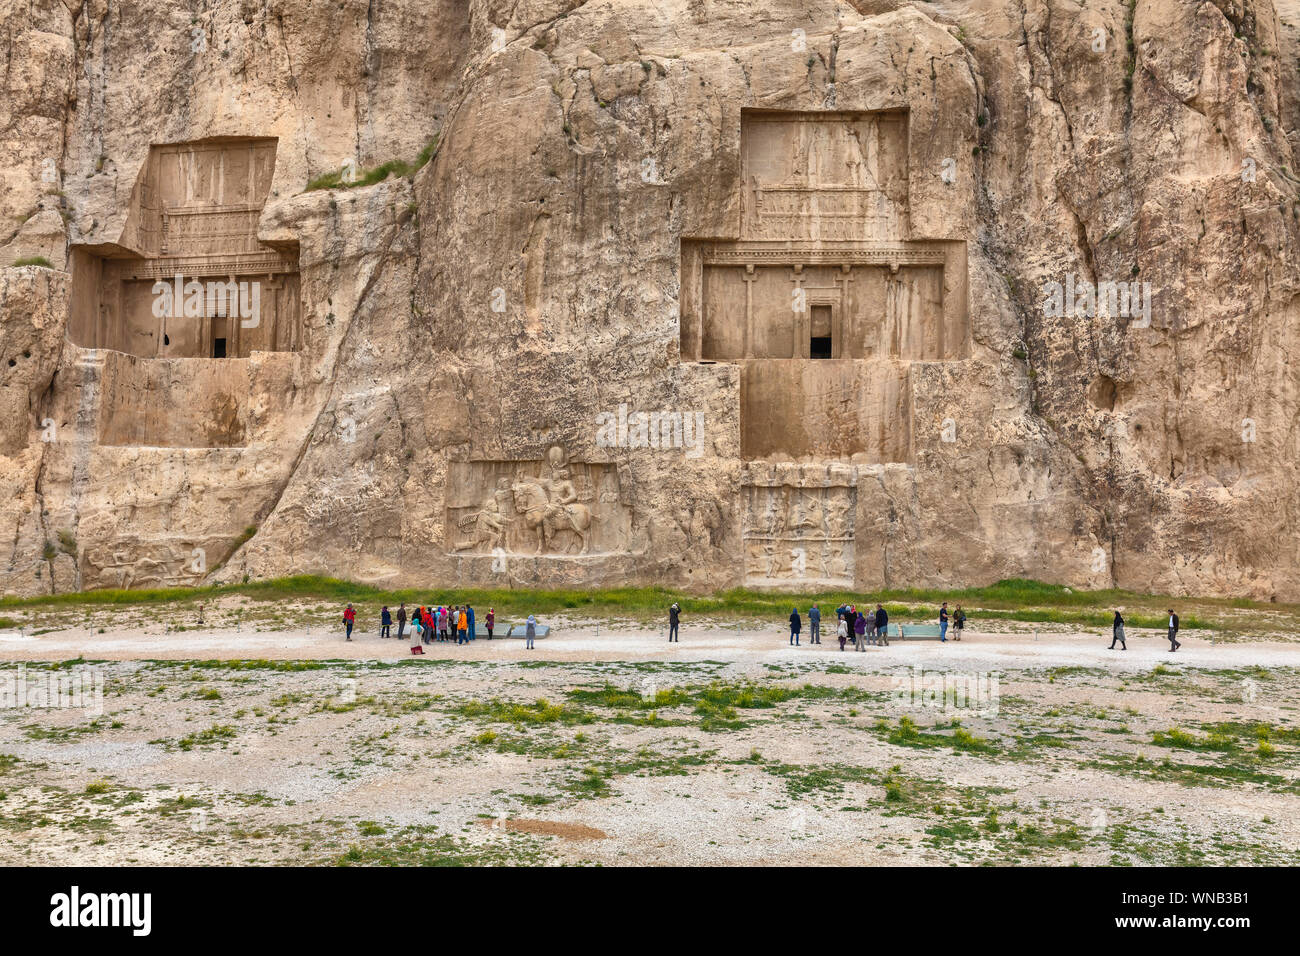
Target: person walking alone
530, 632
385, 622
349, 618
674, 622
943, 623
1117, 632
1174, 642
815, 625
795, 624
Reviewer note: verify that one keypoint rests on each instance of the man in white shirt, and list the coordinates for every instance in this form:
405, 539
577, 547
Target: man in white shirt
1174, 643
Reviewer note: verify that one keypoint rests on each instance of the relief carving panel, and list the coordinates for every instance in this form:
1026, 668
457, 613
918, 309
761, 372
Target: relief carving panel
548, 507
798, 525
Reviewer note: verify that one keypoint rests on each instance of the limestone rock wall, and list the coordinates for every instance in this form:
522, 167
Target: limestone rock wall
483, 342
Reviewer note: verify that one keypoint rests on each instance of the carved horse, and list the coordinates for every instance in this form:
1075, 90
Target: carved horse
546, 518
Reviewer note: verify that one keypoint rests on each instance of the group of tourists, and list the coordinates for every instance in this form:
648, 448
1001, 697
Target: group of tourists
861, 626
864, 626
453, 623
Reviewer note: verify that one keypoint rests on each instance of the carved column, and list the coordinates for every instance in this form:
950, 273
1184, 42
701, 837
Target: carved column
840, 322
800, 318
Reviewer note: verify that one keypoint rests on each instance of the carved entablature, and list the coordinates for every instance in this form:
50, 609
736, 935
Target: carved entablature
548, 507
798, 525
888, 254
188, 277
825, 297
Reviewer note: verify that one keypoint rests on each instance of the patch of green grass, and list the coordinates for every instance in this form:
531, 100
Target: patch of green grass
33, 261
214, 734
1182, 740
394, 167
422, 846
1012, 599
541, 711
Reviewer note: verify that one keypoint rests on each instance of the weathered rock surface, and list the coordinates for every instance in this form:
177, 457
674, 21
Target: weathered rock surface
625, 200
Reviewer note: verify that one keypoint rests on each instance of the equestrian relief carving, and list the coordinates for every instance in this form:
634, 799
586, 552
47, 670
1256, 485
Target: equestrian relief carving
549, 507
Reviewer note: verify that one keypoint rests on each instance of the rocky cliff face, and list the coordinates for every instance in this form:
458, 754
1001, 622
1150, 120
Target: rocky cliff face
796, 293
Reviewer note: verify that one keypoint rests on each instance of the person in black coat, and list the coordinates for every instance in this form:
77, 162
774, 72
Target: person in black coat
1117, 632
674, 620
882, 624
795, 624
1174, 642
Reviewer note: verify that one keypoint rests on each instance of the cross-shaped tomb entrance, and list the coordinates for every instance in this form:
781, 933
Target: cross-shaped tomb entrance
826, 298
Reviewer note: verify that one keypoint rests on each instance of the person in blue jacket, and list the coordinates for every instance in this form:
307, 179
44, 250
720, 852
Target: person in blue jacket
469, 613
815, 625
795, 624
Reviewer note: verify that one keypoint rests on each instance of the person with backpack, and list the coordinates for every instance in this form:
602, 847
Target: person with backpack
795, 624
882, 624
385, 622
674, 622
1174, 642
349, 618
1117, 632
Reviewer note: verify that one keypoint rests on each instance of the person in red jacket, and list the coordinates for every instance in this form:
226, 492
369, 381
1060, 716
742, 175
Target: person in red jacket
349, 618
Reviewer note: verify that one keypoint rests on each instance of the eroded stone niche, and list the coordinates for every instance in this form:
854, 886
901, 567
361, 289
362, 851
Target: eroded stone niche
193, 214
825, 298
549, 507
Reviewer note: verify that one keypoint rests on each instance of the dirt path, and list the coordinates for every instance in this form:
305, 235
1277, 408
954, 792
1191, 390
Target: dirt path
589, 642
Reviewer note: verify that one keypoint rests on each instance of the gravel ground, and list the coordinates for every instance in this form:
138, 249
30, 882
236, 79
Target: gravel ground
730, 748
